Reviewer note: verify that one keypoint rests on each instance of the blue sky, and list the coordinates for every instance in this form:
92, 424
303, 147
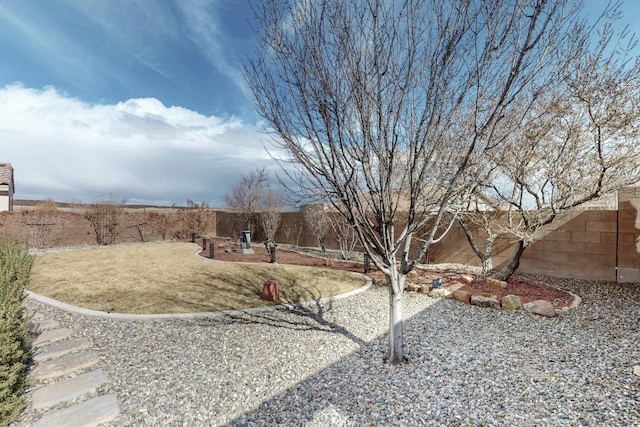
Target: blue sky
141, 100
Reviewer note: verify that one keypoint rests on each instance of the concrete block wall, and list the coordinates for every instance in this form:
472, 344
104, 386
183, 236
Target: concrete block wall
579, 245
588, 244
629, 235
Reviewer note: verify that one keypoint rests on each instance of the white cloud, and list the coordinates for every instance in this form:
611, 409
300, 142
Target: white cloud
139, 149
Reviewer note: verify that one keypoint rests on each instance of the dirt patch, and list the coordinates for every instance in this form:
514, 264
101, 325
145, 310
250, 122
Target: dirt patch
526, 288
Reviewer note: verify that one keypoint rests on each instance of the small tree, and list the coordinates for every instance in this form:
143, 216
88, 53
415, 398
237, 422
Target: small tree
292, 233
571, 145
147, 225
317, 220
195, 218
344, 233
246, 196
42, 224
105, 220
270, 216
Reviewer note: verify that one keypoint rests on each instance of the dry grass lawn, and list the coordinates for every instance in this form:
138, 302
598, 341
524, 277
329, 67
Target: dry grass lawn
169, 278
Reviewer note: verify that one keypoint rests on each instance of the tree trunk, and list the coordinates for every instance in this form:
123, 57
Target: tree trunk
487, 260
396, 321
514, 262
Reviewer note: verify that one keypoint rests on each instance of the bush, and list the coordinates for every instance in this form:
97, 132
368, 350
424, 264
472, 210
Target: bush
15, 267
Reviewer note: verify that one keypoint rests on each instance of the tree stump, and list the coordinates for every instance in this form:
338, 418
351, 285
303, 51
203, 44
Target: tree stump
270, 291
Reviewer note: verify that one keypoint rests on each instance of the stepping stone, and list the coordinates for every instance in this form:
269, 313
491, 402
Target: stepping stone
91, 412
65, 365
50, 336
69, 389
636, 370
42, 325
61, 348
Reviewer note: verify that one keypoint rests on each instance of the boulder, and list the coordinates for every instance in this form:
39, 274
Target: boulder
511, 302
462, 296
377, 281
411, 287
490, 301
495, 282
465, 278
441, 293
636, 370
424, 289
541, 308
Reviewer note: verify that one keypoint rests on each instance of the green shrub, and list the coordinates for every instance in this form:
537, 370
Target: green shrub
15, 267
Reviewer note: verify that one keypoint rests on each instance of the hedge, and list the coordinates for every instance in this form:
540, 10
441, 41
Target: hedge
15, 267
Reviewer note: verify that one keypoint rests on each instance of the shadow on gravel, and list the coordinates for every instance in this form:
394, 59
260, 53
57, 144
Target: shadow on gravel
477, 366
310, 314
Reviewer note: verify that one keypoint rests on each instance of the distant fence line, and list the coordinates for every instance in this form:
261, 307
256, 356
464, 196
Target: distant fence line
587, 244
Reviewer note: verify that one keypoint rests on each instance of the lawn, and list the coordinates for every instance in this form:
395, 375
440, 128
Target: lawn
169, 278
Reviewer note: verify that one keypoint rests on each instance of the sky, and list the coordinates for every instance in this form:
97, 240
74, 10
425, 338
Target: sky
141, 101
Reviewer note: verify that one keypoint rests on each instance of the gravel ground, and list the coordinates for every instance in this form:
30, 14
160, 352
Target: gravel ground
468, 366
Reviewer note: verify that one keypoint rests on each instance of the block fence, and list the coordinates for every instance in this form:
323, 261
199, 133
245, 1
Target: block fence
587, 244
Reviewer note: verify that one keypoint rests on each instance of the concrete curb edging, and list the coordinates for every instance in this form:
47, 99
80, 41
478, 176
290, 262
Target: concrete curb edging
206, 314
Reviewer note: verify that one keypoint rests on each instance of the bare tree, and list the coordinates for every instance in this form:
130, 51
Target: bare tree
371, 102
196, 218
573, 145
105, 219
246, 196
272, 205
42, 224
344, 233
292, 233
317, 220
487, 221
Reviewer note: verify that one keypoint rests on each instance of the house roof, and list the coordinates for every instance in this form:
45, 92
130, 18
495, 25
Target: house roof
6, 175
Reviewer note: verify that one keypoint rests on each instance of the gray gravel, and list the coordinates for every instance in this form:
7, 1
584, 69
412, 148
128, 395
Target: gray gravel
468, 366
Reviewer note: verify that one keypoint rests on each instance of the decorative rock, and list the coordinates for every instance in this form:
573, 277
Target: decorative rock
485, 301
462, 296
467, 279
511, 302
454, 286
636, 370
379, 281
441, 293
495, 282
541, 308
411, 287
424, 289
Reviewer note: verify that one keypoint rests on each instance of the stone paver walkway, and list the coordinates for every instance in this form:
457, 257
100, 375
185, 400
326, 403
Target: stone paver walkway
66, 380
